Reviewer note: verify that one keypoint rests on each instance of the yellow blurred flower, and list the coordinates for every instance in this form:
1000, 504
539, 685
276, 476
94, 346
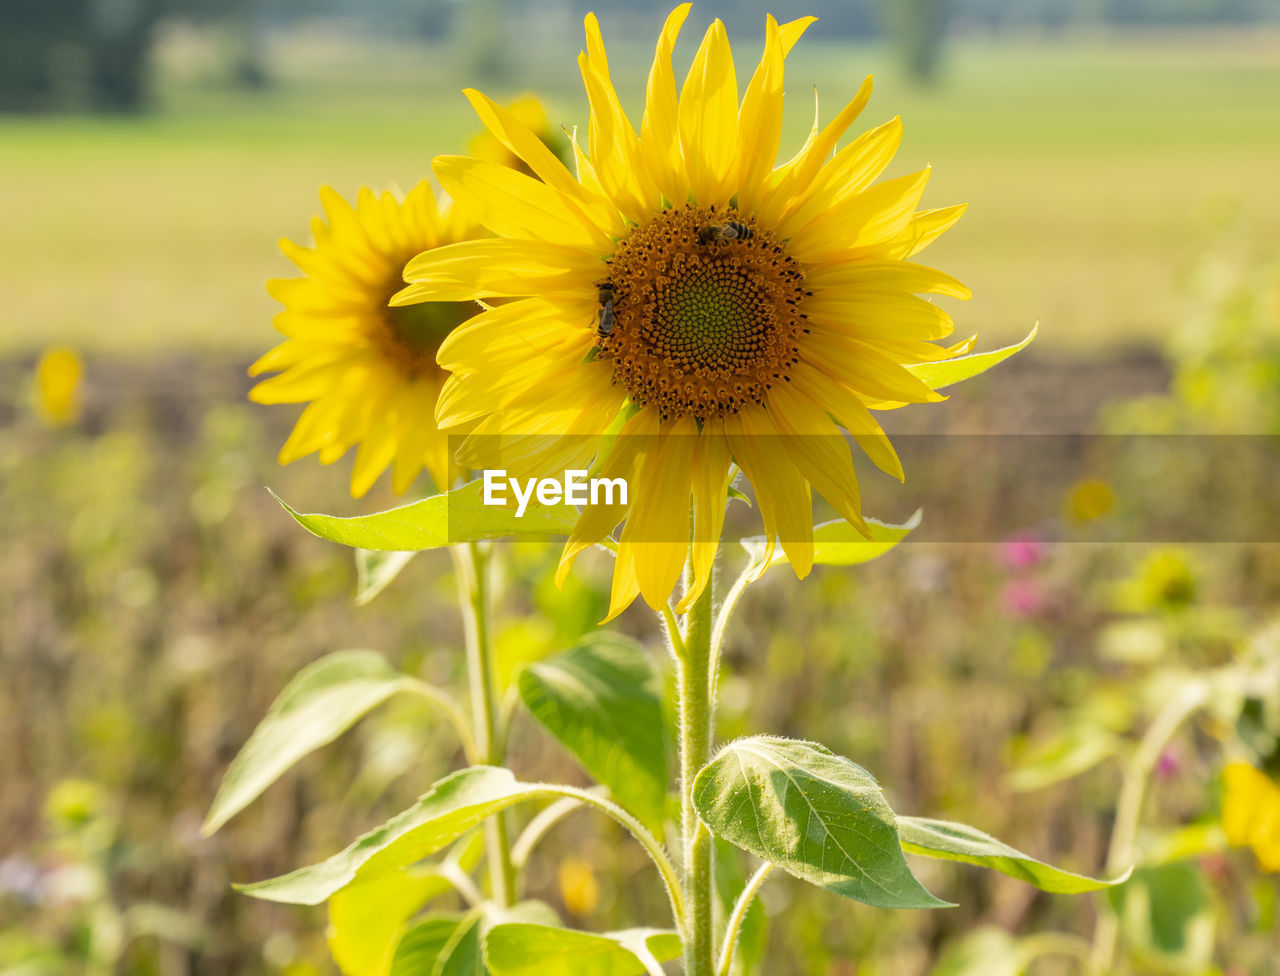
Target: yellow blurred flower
1089, 499
368, 371
529, 111
73, 802
579, 889
1251, 813
59, 374
684, 307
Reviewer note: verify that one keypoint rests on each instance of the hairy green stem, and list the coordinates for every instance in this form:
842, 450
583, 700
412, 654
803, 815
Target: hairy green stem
1133, 790
740, 907
697, 714
471, 561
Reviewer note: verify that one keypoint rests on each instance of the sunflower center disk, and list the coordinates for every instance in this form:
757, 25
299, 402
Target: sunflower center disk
411, 334
705, 313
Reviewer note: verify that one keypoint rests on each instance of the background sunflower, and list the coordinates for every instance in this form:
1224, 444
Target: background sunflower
366, 370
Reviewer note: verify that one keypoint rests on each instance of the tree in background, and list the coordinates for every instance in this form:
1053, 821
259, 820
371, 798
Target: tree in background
117, 36
97, 54
482, 33
35, 37
918, 28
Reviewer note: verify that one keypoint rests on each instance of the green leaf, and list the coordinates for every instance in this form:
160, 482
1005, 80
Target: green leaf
375, 569
441, 520
603, 701
1075, 750
451, 807
959, 842
322, 701
537, 950
441, 945
814, 814
452, 945
366, 920
1166, 914
838, 543
949, 371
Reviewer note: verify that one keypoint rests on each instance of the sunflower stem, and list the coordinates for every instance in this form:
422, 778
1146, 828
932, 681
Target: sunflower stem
472, 562
1124, 832
697, 713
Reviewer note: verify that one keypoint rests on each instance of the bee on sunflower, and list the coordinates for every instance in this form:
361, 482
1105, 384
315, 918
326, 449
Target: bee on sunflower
367, 371
683, 308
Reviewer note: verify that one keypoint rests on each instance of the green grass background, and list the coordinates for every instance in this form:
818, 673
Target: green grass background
1096, 170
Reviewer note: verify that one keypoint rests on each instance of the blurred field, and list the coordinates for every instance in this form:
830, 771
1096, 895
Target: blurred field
154, 600
1095, 169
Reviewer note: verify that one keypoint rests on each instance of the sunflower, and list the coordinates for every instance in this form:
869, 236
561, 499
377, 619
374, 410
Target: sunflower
1251, 812
368, 370
683, 309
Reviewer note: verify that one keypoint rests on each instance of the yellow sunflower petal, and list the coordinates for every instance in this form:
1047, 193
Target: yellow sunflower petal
852, 414
854, 168
792, 179
625, 585
708, 119
597, 521
658, 126
864, 368
509, 334
863, 220
760, 117
489, 268
657, 529
416, 433
615, 148
710, 495
528, 146
819, 450
884, 277
515, 205
925, 227
782, 493
869, 316
376, 451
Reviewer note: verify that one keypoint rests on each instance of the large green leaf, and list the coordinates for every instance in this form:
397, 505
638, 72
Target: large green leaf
321, 702
375, 569
538, 950
838, 543
1167, 917
366, 920
959, 842
603, 701
948, 371
451, 807
814, 814
441, 520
